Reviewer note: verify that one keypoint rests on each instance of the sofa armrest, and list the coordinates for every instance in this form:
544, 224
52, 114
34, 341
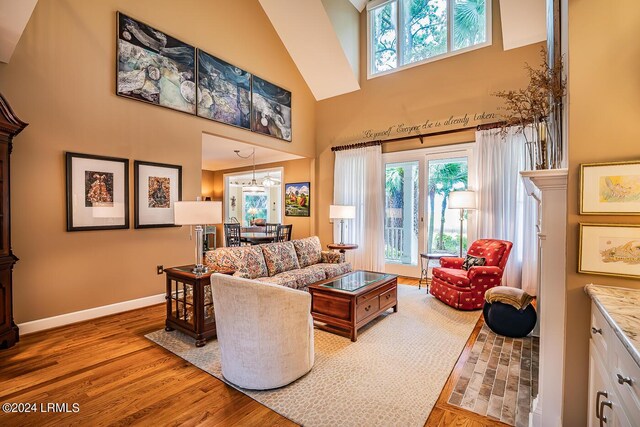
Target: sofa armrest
451, 262
331, 257
491, 272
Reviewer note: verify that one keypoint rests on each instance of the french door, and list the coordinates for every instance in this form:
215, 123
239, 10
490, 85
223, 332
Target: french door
417, 219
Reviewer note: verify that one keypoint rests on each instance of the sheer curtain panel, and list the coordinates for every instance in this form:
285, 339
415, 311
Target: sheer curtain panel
505, 211
357, 181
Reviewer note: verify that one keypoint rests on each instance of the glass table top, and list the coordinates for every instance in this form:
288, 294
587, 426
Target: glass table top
356, 280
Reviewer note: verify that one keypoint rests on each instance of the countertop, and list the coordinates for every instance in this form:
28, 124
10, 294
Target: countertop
621, 308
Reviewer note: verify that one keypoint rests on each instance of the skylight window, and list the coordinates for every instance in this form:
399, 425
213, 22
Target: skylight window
404, 33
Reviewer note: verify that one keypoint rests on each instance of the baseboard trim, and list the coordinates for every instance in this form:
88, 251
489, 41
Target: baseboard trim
88, 314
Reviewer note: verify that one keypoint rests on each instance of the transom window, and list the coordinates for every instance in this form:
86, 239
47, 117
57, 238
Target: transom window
404, 33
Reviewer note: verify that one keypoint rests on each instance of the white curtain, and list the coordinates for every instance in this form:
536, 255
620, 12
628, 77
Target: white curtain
357, 181
505, 211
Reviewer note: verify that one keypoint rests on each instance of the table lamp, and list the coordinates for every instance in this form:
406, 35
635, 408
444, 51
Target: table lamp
342, 212
463, 200
198, 214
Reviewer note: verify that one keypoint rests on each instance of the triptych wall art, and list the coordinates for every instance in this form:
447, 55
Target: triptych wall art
156, 68
98, 193
610, 189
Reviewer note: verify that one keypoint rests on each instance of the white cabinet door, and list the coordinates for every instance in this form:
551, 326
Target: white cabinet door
598, 387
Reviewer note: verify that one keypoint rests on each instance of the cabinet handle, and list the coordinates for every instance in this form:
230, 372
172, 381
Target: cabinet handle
595, 330
598, 396
367, 308
388, 296
603, 419
623, 380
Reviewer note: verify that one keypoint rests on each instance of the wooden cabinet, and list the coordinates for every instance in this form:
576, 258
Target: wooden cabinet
614, 378
10, 126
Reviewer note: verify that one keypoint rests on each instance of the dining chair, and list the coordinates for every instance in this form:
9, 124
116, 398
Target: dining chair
271, 228
283, 233
232, 234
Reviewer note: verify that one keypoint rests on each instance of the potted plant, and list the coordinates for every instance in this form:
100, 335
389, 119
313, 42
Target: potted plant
538, 106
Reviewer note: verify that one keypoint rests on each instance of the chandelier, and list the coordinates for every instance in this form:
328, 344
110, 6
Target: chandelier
253, 186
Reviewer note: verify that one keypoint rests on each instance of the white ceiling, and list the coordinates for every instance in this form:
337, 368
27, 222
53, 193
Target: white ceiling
310, 38
524, 22
359, 4
217, 153
14, 15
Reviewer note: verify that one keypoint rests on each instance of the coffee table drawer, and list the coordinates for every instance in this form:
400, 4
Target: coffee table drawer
367, 308
388, 299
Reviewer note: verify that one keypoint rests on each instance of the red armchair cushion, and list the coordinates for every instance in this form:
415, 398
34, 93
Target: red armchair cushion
453, 276
451, 262
495, 252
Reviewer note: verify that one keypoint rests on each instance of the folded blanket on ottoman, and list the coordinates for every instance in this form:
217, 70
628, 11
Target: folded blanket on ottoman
514, 297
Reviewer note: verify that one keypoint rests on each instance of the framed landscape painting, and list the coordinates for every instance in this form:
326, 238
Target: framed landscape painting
224, 91
271, 109
154, 67
156, 187
297, 200
97, 192
610, 249
610, 188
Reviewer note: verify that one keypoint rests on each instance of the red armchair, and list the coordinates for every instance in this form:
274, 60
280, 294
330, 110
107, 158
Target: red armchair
464, 289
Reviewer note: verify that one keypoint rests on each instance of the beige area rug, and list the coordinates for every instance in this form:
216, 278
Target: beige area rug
500, 378
392, 375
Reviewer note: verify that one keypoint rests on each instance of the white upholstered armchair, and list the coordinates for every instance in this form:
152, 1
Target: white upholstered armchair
265, 332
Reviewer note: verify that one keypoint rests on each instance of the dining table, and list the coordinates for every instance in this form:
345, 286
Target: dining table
257, 238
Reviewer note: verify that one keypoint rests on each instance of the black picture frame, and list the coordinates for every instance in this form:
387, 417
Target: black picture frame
297, 210
139, 210
85, 215
139, 84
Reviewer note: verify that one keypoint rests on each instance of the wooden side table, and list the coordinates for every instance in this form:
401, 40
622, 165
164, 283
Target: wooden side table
190, 303
342, 247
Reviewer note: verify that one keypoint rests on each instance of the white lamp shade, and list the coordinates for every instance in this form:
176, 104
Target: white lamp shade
462, 200
197, 213
342, 212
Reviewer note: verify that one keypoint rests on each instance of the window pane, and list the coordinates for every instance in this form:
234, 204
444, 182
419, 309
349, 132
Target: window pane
443, 228
469, 23
424, 29
384, 37
401, 213
255, 207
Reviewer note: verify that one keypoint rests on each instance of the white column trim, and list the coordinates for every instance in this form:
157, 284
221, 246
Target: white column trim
552, 295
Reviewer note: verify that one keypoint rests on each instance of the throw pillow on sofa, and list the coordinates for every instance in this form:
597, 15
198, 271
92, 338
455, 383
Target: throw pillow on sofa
309, 251
246, 261
280, 257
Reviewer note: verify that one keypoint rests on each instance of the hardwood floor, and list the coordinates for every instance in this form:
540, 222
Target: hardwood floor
118, 377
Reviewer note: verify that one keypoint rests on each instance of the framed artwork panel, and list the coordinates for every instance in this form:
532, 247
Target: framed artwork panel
156, 187
154, 67
610, 188
297, 200
270, 109
97, 192
610, 249
224, 91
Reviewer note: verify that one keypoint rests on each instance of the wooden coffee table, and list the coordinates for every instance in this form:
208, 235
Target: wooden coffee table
346, 303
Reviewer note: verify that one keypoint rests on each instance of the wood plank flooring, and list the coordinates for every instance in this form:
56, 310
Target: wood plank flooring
118, 377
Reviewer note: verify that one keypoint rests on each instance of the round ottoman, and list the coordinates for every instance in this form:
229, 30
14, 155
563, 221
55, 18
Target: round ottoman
504, 319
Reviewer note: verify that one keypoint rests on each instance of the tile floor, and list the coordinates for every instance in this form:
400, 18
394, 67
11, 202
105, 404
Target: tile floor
500, 378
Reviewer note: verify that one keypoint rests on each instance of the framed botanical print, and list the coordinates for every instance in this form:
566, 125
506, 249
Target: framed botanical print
610, 188
297, 200
156, 187
97, 192
610, 249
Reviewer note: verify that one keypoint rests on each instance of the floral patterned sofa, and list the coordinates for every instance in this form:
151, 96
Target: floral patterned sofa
295, 264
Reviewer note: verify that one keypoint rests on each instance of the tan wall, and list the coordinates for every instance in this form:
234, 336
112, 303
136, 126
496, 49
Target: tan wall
604, 110
302, 170
435, 91
61, 80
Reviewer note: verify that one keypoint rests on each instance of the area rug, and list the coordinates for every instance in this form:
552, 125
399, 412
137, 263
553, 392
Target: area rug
500, 378
392, 375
